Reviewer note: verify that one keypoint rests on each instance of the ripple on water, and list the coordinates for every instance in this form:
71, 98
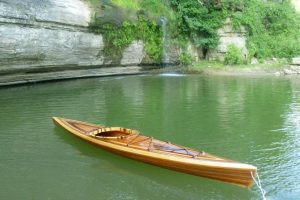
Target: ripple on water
172, 74
251, 120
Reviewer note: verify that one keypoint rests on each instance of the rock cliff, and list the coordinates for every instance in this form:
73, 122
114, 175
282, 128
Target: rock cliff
44, 40
228, 35
38, 37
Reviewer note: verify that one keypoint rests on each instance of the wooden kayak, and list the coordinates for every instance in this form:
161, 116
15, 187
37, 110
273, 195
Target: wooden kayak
132, 144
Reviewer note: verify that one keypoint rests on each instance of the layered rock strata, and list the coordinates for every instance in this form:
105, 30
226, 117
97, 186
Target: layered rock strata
41, 39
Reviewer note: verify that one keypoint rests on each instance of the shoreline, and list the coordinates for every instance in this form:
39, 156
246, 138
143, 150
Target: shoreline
216, 68
48, 76
206, 68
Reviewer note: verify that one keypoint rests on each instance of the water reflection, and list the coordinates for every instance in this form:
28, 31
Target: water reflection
172, 74
254, 120
288, 166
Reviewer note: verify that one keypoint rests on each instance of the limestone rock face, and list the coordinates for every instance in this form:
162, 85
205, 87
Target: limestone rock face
134, 53
228, 36
296, 61
46, 34
23, 48
72, 12
47, 39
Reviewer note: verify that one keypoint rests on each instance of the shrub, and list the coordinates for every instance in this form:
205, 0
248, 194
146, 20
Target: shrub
273, 28
186, 58
233, 55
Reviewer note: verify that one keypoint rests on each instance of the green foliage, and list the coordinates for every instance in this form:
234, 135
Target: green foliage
94, 3
273, 28
158, 8
233, 55
199, 22
153, 8
186, 58
117, 38
151, 34
129, 4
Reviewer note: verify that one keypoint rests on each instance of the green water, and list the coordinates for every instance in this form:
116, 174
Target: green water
253, 120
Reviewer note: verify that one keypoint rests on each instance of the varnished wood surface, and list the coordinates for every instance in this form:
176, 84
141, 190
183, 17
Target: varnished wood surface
131, 144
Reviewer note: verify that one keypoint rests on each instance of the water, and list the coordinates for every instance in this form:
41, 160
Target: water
253, 120
166, 40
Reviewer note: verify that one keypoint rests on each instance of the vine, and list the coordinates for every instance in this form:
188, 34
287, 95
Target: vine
117, 38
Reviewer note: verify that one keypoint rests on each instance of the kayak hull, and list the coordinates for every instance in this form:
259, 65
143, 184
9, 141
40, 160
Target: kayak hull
182, 159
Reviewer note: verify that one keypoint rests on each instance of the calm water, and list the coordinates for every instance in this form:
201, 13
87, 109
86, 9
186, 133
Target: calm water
253, 120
